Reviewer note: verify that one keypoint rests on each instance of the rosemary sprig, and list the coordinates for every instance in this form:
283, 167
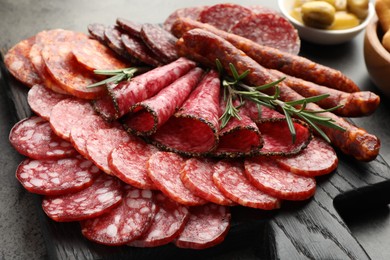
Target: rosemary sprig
116, 75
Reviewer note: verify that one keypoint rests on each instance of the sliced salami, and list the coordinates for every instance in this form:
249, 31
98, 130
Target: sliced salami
230, 179
270, 29
258, 112
34, 138
99, 198
318, 158
267, 176
197, 176
42, 100
132, 28
164, 170
167, 224
96, 30
67, 113
149, 115
19, 65
188, 12
124, 223
137, 49
207, 226
112, 36
128, 163
56, 177
102, 142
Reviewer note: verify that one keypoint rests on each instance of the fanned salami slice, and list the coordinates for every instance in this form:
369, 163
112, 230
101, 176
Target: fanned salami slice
258, 112
42, 100
132, 28
267, 176
207, 226
99, 198
124, 223
161, 42
269, 29
102, 142
128, 163
230, 178
197, 176
112, 36
224, 16
19, 65
196, 123
56, 177
137, 49
34, 138
96, 30
167, 224
188, 12
67, 113
149, 115
164, 170
318, 158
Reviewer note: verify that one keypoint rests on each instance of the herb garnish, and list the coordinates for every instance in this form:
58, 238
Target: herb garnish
117, 75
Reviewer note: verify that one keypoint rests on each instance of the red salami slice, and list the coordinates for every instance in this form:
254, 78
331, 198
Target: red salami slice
149, 115
256, 113
230, 179
101, 197
42, 100
128, 163
267, 176
132, 28
318, 158
102, 142
34, 138
259, 9
207, 226
56, 177
164, 170
125, 223
188, 12
224, 16
68, 113
269, 29
167, 224
96, 30
137, 49
196, 123
19, 65
197, 176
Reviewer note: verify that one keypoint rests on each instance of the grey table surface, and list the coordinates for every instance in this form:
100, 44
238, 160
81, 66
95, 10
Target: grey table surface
21, 235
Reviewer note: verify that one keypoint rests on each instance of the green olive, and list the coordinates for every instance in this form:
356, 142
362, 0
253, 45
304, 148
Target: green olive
318, 14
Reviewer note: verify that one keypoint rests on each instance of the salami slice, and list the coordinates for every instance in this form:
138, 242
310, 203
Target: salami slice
258, 112
267, 176
224, 16
207, 226
96, 30
112, 36
167, 224
34, 138
56, 177
99, 198
164, 170
197, 176
269, 29
42, 100
124, 223
67, 113
188, 12
318, 158
230, 179
102, 142
137, 49
132, 28
128, 163
19, 65
149, 115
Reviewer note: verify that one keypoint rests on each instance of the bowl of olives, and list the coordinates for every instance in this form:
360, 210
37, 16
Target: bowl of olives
328, 22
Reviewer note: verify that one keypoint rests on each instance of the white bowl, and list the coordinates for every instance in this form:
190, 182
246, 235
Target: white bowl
322, 36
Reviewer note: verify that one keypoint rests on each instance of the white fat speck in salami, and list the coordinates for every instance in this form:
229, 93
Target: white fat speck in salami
126, 222
207, 226
101, 197
34, 138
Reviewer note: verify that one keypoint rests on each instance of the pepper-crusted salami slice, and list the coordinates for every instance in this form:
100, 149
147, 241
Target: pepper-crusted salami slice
101, 197
42, 100
149, 115
258, 112
266, 175
230, 179
318, 158
124, 223
189, 12
34, 138
197, 176
56, 177
96, 30
132, 28
167, 224
207, 226
164, 170
137, 49
128, 163
19, 65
